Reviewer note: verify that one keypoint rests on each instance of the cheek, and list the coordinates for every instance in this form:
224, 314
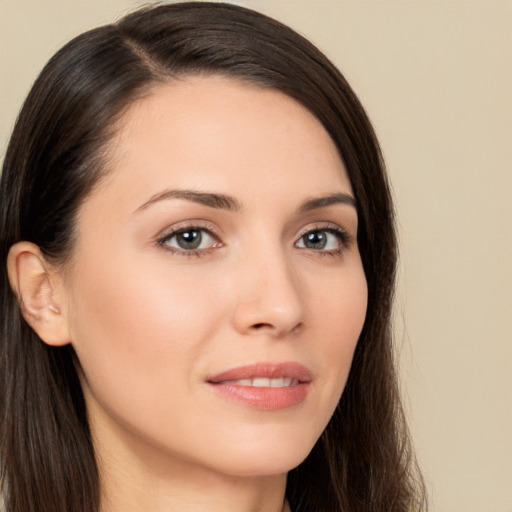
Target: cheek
346, 317
341, 304
136, 328
339, 318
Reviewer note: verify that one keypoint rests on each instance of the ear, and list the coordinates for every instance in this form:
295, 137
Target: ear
38, 287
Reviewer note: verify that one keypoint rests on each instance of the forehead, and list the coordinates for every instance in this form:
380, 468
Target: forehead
223, 135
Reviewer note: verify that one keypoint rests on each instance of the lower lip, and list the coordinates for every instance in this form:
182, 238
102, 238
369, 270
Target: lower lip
265, 398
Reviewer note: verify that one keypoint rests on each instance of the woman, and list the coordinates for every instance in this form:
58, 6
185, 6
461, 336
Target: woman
199, 256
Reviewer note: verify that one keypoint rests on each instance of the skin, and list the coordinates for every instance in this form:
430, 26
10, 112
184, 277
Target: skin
151, 322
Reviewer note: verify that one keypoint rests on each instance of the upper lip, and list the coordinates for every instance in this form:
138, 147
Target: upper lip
268, 370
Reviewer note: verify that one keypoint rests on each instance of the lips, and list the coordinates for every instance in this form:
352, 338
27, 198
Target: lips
288, 370
264, 386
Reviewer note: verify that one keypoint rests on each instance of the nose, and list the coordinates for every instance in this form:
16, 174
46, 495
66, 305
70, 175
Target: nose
269, 297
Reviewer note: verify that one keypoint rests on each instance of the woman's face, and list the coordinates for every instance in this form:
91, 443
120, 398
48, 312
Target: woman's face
216, 292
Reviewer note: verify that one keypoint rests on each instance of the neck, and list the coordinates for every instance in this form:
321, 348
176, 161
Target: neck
131, 491
132, 481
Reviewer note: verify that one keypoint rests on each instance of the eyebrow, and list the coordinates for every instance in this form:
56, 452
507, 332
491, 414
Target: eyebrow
225, 202
321, 202
219, 201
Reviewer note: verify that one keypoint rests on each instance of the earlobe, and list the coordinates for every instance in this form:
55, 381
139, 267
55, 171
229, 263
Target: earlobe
37, 288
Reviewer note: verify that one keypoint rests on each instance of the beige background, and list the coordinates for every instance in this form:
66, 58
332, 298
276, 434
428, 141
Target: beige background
436, 78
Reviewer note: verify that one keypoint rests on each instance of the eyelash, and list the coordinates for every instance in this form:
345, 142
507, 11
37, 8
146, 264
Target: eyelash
343, 237
193, 253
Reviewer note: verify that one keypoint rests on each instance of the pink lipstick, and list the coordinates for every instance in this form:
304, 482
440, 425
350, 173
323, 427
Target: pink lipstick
264, 386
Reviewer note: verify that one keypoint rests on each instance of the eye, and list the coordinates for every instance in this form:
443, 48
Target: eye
190, 240
329, 240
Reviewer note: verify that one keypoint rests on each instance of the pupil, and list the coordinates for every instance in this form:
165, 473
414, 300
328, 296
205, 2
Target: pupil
316, 240
189, 239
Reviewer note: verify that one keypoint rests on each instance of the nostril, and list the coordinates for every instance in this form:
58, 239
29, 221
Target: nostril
260, 326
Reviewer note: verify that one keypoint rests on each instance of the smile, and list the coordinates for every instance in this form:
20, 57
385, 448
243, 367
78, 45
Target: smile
263, 382
264, 386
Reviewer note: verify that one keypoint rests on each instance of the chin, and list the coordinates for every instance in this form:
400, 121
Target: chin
264, 461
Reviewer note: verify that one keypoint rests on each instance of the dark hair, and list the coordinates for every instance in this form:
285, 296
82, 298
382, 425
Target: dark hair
363, 460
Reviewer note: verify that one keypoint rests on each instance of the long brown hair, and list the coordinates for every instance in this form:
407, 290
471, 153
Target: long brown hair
363, 461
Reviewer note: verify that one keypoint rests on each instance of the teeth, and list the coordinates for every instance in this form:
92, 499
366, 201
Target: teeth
263, 382
277, 383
